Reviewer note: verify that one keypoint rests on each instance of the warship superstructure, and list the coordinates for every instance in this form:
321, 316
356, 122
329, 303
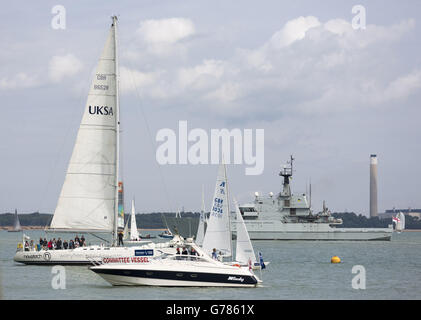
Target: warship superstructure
288, 216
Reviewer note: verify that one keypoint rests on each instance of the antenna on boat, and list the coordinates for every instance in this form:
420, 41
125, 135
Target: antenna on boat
310, 195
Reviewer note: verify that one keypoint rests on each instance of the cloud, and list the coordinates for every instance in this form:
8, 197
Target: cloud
201, 75
166, 31
20, 80
307, 67
402, 87
61, 67
293, 30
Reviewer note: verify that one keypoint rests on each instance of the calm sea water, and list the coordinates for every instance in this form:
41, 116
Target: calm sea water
297, 270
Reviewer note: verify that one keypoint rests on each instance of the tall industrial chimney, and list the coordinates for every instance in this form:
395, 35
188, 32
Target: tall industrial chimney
373, 186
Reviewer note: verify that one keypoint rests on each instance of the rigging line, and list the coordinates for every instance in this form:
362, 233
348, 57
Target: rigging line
139, 106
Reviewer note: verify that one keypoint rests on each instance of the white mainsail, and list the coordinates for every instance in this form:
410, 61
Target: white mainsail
244, 249
134, 234
202, 221
16, 223
88, 198
218, 232
126, 230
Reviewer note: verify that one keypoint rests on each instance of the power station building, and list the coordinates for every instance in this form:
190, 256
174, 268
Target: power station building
373, 186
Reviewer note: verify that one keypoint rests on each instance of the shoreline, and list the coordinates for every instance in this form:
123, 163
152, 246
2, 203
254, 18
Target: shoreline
7, 228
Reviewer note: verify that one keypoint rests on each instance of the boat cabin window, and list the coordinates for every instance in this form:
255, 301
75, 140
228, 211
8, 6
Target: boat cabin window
246, 209
187, 258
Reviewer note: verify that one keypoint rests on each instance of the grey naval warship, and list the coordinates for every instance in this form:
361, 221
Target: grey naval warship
289, 216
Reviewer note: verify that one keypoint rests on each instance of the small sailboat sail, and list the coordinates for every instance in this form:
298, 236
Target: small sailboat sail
202, 223
218, 232
126, 230
399, 221
16, 223
244, 250
89, 197
134, 234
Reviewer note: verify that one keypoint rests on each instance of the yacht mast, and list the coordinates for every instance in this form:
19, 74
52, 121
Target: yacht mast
117, 155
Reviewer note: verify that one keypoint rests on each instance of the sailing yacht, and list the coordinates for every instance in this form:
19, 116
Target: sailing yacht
218, 236
399, 222
134, 234
88, 201
244, 252
202, 222
16, 223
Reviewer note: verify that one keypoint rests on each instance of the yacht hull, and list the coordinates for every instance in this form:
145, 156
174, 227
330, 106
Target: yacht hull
86, 255
168, 278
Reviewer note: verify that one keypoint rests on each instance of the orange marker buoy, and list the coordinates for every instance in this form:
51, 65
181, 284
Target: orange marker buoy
335, 259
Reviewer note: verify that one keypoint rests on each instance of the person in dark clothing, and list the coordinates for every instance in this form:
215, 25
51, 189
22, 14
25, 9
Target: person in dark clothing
193, 252
59, 243
82, 241
185, 251
65, 244
120, 238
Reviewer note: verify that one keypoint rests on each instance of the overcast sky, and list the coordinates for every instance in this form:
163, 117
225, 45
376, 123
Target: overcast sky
323, 91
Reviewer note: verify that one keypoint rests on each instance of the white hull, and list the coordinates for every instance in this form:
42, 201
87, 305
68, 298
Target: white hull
277, 230
131, 281
176, 274
138, 242
86, 255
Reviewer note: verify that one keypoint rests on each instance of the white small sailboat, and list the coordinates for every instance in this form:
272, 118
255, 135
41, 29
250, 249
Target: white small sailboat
399, 222
244, 252
202, 222
167, 234
134, 233
89, 198
16, 223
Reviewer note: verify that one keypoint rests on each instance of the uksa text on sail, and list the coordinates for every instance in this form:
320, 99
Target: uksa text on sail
203, 150
101, 110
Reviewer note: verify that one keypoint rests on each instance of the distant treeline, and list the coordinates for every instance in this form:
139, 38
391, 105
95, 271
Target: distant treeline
352, 220
144, 221
156, 221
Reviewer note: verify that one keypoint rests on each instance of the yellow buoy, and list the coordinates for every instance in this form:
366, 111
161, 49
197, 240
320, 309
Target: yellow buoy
335, 259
